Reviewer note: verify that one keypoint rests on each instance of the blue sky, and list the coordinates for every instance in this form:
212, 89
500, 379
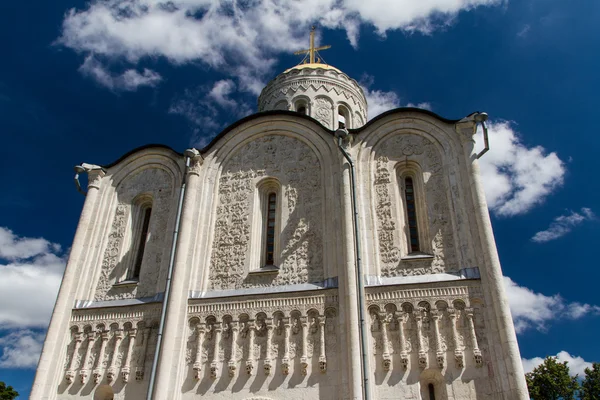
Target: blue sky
89, 81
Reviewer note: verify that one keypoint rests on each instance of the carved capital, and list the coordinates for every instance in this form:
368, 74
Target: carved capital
110, 375
459, 358
232, 367
423, 362
83, 376
441, 360
196, 161
139, 374
249, 367
267, 367
125, 374
214, 370
404, 360
197, 369
285, 366
304, 365
322, 364
478, 357
97, 375
387, 362
70, 376
95, 175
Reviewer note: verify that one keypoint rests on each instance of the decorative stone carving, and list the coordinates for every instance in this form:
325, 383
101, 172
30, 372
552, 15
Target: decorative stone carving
297, 169
118, 258
474, 345
324, 111
397, 150
312, 83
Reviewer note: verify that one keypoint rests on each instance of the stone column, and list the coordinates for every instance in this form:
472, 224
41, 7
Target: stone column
169, 372
198, 359
112, 371
474, 345
99, 369
49, 368
387, 360
440, 356
267, 364
125, 371
214, 365
70, 375
250, 360
141, 369
84, 373
458, 354
232, 364
401, 336
304, 358
285, 363
507, 354
423, 362
322, 356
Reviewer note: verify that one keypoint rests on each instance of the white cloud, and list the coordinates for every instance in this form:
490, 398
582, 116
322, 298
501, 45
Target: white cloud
21, 349
31, 275
576, 364
380, 101
204, 109
13, 247
236, 37
129, 80
562, 225
535, 310
516, 177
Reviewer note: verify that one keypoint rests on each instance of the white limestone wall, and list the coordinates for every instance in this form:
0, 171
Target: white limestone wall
316, 211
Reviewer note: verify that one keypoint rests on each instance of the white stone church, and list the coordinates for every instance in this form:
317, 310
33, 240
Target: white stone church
303, 254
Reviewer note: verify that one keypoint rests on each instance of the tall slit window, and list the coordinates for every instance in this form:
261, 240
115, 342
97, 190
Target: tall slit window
143, 238
270, 229
411, 211
431, 391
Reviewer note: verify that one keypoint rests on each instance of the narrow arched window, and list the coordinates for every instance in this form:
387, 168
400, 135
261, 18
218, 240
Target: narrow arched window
301, 110
343, 118
143, 238
270, 229
411, 212
431, 391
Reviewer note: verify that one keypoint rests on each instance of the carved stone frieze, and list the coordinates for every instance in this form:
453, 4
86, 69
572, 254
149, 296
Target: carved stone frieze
295, 166
269, 330
432, 202
427, 322
118, 258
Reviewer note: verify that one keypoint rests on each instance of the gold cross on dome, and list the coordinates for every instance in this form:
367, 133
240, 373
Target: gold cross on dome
312, 50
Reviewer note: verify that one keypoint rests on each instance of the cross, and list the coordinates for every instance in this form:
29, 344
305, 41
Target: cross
312, 50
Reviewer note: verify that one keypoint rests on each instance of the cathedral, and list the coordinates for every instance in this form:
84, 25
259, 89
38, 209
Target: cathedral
304, 253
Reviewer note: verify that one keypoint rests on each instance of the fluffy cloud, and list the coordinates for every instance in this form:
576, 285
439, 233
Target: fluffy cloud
237, 37
516, 177
204, 108
21, 349
562, 225
380, 101
24, 264
129, 80
535, 310
577, 365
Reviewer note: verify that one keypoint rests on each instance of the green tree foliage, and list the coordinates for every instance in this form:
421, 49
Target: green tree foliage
590, 387
7, 393
551, 381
